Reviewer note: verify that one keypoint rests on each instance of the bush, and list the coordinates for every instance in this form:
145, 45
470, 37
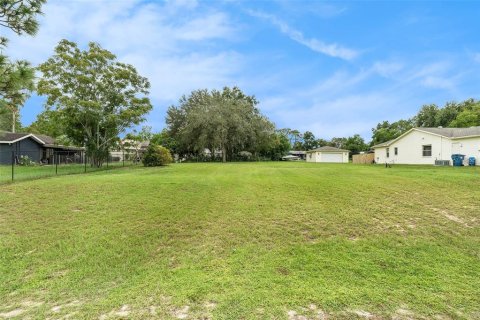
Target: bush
25, 161
156, 156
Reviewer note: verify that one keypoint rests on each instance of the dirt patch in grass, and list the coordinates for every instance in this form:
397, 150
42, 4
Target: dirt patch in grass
12, 313
254, 238
181, 313
450, 216
26, 306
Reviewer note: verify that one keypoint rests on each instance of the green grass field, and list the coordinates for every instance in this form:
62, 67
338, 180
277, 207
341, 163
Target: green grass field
243, 241
22, 173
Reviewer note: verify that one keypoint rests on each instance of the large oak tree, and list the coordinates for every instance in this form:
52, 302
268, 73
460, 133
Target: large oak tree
225, 120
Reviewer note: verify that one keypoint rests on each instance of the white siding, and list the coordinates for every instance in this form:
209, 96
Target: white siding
311, 157
320, 156
470, 147
410, 148
380, 155
332, 157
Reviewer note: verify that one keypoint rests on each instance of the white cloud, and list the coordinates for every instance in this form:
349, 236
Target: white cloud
476, 57
318, 8
182, 4
174, 77
438, 82
332, 50
168, 42
436, 75
350, 102
387, 69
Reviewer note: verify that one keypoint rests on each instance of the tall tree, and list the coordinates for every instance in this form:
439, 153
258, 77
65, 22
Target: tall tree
386, 131
467, 118
164, 139
355, 144
338, 142
6, 118
295, 137
226, 120
309, 141
278, 146
447, 114
426, 116
48, 122
96, 97
321, 142
16, 78
17, 85
20, 16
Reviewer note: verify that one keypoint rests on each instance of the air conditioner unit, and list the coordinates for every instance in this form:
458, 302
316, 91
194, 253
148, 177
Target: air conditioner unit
442, 162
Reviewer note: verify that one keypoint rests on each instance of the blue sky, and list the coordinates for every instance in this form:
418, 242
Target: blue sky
334, 68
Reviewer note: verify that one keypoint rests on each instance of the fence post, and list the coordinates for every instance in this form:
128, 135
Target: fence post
107, 158
13, 165
56, 161
123, 157
85, 160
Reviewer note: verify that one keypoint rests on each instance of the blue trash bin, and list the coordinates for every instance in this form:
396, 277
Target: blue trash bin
458, 159
471, 161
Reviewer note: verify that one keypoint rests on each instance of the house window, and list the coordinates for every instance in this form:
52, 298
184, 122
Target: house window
396, 151
427, 150
388, 152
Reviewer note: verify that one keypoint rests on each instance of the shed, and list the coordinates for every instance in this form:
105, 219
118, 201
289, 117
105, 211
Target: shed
328, 154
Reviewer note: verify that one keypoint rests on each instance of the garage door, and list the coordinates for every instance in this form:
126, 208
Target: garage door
332, 157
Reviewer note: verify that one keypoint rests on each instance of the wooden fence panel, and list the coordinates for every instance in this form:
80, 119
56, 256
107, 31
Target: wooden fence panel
365, 158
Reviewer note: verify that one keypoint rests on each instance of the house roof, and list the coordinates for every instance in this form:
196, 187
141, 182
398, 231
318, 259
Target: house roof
328, 149
383, 144
10, 137
44, 140
451, 133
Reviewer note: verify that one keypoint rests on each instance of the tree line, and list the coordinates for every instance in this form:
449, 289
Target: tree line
93, 99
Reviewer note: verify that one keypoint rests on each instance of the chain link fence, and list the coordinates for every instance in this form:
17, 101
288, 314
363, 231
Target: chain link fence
27, 165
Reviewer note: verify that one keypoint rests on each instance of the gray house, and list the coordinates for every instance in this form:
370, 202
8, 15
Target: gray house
39, 148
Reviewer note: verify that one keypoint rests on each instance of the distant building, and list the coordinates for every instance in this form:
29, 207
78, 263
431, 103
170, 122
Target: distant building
291, 158
129, 150
301, 154
328, 154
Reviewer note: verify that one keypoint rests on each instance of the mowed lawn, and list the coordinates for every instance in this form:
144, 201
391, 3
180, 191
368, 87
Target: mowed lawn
243, 241
22, 173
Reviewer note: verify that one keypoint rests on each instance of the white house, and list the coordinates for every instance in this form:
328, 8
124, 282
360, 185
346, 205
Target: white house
430, 146
328, 154
129, 150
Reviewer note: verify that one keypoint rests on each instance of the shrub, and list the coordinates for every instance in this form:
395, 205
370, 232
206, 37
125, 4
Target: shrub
156, 156
25, 161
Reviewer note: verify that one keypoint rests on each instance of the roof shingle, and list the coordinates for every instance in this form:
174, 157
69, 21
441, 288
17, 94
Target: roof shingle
10, 136
453, 132
328, 149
